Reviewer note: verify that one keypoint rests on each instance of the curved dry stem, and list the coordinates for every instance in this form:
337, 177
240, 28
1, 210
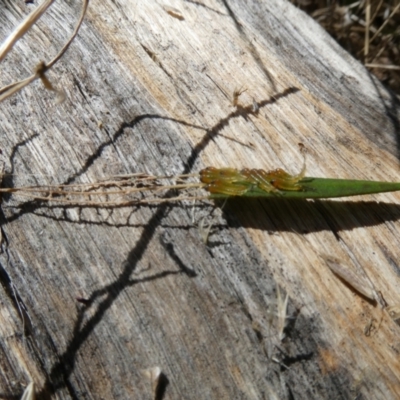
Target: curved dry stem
15, 87
74, 33
42, 68
24, 27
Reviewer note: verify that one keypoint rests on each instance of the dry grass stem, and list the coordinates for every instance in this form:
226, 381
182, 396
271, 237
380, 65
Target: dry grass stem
9, 90
111, 193
72, 37
394, 67
368, 29
42, 68
397, 8
24, 27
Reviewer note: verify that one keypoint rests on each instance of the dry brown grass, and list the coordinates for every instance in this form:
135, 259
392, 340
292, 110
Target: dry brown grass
117, 191
368, 29
40, 69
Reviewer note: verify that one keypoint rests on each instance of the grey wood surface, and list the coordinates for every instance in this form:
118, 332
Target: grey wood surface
149, 92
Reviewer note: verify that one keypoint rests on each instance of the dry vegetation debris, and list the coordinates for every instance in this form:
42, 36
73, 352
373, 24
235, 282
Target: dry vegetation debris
368, 29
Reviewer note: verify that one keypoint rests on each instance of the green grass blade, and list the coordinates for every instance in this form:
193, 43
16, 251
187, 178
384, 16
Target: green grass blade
320, 188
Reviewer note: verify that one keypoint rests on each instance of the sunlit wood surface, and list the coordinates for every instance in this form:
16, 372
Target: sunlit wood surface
92, 299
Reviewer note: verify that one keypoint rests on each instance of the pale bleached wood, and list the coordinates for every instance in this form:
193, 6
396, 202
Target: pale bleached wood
206, 315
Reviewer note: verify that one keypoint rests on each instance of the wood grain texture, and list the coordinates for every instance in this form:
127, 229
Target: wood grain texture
156, 294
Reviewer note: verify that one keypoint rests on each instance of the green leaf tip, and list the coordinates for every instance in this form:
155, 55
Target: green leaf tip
321, 188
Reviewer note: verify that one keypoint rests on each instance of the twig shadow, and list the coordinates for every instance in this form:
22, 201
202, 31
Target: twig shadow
58, 376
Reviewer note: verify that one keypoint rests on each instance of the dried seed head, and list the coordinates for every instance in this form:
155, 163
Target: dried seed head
351, 278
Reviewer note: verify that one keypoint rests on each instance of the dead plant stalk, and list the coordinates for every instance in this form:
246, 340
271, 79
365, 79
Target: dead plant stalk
43, 67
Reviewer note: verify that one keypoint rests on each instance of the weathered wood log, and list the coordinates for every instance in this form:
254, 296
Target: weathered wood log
91, 299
